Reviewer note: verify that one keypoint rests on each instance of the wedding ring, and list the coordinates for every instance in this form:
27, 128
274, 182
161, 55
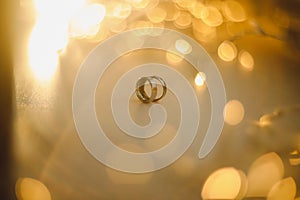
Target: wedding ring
140, 89
152, 81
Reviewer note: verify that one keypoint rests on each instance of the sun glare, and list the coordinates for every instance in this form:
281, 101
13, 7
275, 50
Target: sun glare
50, 33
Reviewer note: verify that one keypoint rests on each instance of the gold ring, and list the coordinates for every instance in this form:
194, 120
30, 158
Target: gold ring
152, 80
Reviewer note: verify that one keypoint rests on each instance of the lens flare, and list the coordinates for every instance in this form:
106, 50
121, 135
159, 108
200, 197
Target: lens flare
173, 58
211, 16
271, 166
157, 15
49, 36
31, 189
234, 112
200, 79
86, 23
224, 183
183, 21
233, 11
183, 46
283, 189
171, 10
121, 10
227, 51
197, 10
246, 60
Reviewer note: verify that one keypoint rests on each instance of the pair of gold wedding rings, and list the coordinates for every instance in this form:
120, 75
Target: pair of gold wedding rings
153, 82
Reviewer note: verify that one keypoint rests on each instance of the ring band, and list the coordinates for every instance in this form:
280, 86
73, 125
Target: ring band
140, 89
152, 80
164, 86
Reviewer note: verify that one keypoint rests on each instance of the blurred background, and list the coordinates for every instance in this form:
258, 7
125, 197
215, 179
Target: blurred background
256, 46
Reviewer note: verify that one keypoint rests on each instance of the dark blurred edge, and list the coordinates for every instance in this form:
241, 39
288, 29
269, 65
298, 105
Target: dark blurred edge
7, 22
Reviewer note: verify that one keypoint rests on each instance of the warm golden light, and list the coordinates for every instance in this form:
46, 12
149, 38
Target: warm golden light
171, 10
50, 35
172, 58
244, 186
234, 112
246, 60
224, 183
185, 4
264, 121
295, 152
86, 23
183, 46
233, 11
197, 10
284, 189
157, 15
31, 189
294, 161
211, 16
139, 4
120, 10
200, 79
43, 52
202, 32
227, 51
271, 166
184, 20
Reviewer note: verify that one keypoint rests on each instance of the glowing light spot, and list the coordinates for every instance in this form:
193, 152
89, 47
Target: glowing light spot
121, 10
246, 60
295, 152
234, 112
200, 79
264, 121
186, 4
202, 32
184, 20
59, 9
31, 189
233, 11
44, 44
183, 46
212, 17
224, 183
173, 58
197, 10
50, 35
171, 10
244, 186
86, 23
284, 189
157, 15
294, 161
139, 4
227, 51
271, 166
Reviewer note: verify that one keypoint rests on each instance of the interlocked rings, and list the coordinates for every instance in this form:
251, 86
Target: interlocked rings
152, 80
